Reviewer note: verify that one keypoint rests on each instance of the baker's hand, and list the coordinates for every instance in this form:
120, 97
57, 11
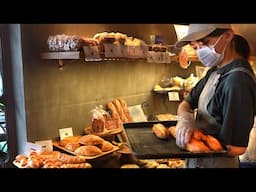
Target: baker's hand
184, 130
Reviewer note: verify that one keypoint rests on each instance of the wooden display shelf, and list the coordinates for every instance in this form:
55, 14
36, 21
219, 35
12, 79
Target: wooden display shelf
60, 56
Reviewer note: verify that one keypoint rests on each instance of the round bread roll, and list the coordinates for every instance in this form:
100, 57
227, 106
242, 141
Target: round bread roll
88, 150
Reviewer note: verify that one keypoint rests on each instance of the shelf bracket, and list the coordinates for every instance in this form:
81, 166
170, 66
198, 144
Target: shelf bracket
61, 64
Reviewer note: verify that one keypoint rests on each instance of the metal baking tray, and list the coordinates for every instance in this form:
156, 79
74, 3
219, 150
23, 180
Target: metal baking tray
145, 145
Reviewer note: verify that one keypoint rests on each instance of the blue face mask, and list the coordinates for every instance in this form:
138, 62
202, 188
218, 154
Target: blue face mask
208, 56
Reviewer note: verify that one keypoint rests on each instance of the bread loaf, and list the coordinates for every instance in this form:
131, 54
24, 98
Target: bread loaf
213, 143
172, 131
114, 113
91, 139
120, 111
72, 146
160, 131
195, 145
106, 146
125, 109
88, 150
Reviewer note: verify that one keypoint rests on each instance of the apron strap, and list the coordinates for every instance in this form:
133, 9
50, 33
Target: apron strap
242, 69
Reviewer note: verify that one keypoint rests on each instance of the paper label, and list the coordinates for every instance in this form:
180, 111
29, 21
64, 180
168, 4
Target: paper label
137, 113
173, 96
45, 144
91, 53
65, 132
30, 147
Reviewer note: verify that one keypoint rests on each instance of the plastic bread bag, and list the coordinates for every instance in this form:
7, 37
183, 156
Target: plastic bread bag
99, 117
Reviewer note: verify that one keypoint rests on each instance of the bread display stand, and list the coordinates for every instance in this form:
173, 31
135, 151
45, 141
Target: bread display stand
105, 133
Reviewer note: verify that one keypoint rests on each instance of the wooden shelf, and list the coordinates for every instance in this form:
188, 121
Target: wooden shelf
60, 56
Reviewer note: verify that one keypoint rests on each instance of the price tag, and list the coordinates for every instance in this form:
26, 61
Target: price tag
173, 96
65, 132
30, 147
45, 144
91, 53
150, 56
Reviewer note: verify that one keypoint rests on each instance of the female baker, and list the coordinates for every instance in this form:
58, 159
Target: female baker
225, 98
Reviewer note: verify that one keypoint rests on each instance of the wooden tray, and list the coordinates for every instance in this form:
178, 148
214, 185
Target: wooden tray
87, 130
56, 144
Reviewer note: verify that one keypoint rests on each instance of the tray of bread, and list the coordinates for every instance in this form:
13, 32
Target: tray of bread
89, 146
156, 140
50, 159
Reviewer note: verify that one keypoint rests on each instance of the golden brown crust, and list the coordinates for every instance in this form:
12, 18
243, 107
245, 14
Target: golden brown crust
120, 111
160, 131
65, 158
172, 131
125, 109
195, 145
91, 139
106, 146
129, 166
114, 113
210, 141
72, 146
213, 143
88, 150
70, 139
78, 165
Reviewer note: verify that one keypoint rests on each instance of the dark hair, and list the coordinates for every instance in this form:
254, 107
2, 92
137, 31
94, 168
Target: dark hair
241, 46
239, 43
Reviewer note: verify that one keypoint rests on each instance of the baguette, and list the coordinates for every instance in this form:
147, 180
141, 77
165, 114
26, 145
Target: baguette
126, 111
120, 111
